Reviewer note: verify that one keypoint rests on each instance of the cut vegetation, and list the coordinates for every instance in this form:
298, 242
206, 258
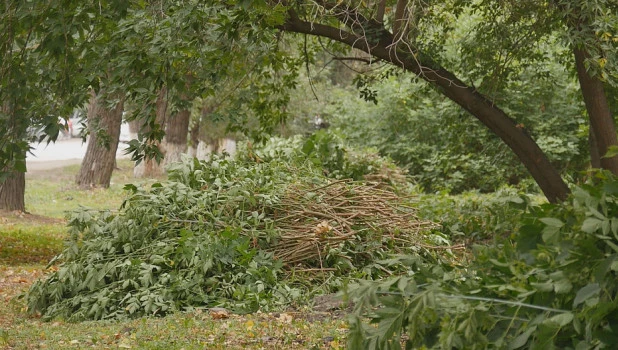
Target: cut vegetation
240, 234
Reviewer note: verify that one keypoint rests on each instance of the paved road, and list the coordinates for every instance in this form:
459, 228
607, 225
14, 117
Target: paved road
64, 152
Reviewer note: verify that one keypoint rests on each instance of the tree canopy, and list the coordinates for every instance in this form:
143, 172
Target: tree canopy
54, 53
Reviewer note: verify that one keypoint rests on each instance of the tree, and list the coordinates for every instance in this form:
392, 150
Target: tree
152, 166
104, 123
410, 35
13, 186
351, 26
176, 132
214, 42
590, 59
34, 86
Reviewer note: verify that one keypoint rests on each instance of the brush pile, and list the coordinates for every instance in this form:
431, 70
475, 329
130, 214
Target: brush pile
233, 233
311, 219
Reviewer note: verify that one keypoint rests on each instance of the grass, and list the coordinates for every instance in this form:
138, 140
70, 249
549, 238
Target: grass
52, 193
29, 241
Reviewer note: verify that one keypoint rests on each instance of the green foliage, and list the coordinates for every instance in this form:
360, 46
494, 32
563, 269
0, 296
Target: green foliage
553, 288
474, 216
168, 249
206, 238
328, 151
444, 149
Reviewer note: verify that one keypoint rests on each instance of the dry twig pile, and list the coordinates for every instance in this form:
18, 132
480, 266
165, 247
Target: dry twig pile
312, 219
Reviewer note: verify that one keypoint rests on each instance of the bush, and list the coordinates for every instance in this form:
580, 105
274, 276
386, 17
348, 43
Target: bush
554, 286
472, 216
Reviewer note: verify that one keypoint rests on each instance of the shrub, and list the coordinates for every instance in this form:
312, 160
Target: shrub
554, 286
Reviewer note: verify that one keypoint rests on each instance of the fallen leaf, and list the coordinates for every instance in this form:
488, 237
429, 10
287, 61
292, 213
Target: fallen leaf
285, 318
218, 313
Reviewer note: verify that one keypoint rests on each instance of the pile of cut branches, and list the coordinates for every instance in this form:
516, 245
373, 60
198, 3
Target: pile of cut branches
232, 233
312, 219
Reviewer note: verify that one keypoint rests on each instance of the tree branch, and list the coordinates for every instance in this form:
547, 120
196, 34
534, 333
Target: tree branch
453, 88
360, 59
381, 11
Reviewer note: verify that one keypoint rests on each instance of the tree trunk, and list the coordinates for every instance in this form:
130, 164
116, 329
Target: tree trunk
133, 129
149, 168
600, 116
595, 157
13, 187
100, 159
12, 192
194, 139
380, 45
176, 130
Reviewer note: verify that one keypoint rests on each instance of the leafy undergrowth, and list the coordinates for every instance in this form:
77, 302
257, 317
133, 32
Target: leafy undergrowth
549, 285
29, 241
197, 329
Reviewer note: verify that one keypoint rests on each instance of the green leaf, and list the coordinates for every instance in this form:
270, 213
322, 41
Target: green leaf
130, 187
586, 293
591, 225
611, 245
553, 222
20, 165
522, 339
612, 151
562, 319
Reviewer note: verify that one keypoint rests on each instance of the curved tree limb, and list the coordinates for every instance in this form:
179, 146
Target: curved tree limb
379, 45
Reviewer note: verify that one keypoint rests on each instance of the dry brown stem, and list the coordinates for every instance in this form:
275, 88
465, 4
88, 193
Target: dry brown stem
312, 219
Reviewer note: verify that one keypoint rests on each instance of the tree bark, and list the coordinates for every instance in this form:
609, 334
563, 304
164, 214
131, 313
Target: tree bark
12, 192
13, 188
381, 46
194, 139
100, 159
176, 131
149, 168
603, 129
133, 129
595, 157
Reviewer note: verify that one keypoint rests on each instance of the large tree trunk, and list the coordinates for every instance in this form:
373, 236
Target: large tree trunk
381, 45
595, 157
133, 129
194, 139
176, 131
603, 129
13, 188
100, 159
12, 192
149, 168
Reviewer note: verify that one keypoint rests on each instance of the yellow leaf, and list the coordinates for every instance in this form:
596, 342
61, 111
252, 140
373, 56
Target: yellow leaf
602, 62
249, 325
